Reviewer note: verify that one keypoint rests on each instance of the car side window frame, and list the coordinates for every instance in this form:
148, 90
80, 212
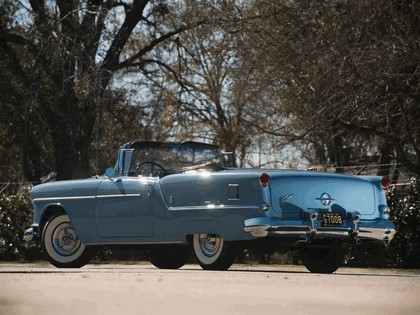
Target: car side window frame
125, 161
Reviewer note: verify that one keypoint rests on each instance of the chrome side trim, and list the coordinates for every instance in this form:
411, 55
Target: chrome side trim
86, 197
64, 198
118, 196
213, 207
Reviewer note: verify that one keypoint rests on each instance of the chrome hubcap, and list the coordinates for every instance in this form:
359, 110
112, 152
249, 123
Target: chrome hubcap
64, 240
210, 244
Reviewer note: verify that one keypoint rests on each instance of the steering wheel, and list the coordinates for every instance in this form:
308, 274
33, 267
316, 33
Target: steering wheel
155, 169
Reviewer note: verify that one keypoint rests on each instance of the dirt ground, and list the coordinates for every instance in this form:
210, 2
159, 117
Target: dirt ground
143, 289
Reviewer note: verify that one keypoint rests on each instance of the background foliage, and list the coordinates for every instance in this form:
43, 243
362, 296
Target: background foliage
16, 217
405, 248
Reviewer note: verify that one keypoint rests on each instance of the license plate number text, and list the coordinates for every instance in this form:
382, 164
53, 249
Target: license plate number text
332, 219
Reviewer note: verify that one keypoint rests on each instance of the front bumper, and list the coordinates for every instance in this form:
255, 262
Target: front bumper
31, 233
379, 230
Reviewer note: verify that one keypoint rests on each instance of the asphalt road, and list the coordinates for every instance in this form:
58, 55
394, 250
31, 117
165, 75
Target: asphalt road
143, 289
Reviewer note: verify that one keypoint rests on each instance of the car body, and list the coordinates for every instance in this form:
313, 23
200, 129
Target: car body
176, 198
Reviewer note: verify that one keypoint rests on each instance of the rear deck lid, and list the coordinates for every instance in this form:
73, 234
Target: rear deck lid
295, 192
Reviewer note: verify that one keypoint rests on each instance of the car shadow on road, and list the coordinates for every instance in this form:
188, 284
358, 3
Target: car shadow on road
235, 269
340, 272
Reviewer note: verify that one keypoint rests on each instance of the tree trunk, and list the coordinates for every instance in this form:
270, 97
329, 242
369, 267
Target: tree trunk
72, 136
385, 159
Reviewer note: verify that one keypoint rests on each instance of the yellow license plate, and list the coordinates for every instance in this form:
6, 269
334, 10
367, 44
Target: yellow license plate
332, 219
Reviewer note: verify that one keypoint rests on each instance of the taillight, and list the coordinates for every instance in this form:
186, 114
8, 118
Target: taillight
264, 179
385, 182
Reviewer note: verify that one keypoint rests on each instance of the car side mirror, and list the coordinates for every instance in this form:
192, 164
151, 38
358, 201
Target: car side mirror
110, 172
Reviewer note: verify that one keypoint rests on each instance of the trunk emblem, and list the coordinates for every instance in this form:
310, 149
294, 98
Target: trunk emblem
325, 199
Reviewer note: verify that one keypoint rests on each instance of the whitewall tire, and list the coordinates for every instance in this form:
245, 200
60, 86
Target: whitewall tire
212, 252
61, 244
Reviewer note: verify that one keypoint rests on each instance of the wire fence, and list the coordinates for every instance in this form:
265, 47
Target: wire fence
397, 173
15, 187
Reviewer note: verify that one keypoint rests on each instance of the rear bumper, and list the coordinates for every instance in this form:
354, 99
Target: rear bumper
379, 230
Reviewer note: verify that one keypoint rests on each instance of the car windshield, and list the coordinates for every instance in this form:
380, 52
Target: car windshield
174, 157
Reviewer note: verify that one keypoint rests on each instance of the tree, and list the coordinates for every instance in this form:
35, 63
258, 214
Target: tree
345, 73
60, 58
197, 88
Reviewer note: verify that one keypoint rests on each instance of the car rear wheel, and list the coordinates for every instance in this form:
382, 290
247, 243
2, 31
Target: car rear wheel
212, 252
166, 257
61, 245
323, 260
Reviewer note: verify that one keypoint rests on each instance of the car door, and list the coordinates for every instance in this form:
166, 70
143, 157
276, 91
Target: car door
124, 207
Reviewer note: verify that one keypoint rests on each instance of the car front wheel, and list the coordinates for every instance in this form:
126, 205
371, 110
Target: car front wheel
61, 245
212, 252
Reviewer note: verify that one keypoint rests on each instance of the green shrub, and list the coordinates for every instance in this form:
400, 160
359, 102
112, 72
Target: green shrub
405, 247
369, 255
15, 217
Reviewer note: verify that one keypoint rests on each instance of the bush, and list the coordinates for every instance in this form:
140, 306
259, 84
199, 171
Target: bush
15, 218
405, 247
369, 255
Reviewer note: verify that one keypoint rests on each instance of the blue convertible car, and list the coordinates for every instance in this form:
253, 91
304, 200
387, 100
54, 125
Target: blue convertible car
175, 199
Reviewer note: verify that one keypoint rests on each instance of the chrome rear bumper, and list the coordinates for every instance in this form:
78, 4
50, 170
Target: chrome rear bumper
382, 230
